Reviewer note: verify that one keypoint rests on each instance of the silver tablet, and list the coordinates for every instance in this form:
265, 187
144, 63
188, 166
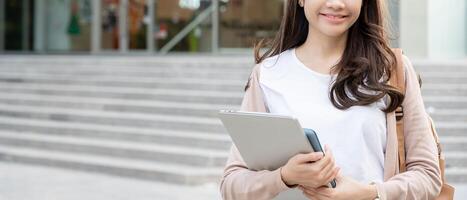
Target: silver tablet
265, 141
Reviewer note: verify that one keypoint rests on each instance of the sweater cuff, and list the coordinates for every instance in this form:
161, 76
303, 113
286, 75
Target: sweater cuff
382, 189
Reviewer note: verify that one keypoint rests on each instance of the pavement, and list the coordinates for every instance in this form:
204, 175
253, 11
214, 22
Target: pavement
30, 182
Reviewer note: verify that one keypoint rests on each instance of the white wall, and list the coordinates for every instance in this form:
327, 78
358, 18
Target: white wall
394, 8
58, 18
446, 29
414, 28
433, 28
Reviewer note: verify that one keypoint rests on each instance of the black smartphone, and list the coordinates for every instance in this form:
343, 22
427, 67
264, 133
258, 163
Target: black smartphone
316, 145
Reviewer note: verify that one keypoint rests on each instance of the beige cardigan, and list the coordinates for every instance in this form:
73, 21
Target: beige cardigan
422, 180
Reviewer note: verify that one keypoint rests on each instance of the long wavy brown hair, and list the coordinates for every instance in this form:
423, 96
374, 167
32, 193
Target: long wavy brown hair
366, 62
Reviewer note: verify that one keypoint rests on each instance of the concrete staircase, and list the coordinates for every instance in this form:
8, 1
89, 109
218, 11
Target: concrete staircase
155, 117
444, 91
145, 117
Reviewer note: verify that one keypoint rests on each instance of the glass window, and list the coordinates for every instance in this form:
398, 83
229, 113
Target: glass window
110, 20
137, 24
244, 21
17, 25
174, 15
68, 25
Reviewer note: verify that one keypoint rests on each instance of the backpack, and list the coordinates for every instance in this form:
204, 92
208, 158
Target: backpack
398, 81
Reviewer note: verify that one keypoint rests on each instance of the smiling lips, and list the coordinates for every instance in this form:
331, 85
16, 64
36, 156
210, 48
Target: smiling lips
334, 18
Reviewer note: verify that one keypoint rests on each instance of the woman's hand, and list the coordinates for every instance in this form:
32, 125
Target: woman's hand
347, 188
312, 170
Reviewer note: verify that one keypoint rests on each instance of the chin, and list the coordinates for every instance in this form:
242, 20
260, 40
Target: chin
334, 32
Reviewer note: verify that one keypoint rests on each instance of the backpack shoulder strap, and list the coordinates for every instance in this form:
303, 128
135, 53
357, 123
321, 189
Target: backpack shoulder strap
398, 80
398, 73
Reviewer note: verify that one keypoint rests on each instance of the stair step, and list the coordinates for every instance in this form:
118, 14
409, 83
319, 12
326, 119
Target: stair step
57, 69
448, 111
135, 73
124, 149
122, 60
151, 170
451, 125
455, 158
123, 90
445, 68
444, 74
209, 125
116, 81
125, 79
443, 80
448, 114
453, 143
119, 133
121, 105
194, 96
451, 128
456, 174
445, 89
448, 102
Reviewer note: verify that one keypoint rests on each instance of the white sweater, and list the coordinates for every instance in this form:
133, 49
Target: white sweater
357, 136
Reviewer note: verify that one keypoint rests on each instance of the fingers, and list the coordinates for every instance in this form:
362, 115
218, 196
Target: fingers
309, 157
315, 156
309, 192
305, 187
313, 194
309, 196
327, 160
325, 191
332, 176
330, 171
327, 167
318, 193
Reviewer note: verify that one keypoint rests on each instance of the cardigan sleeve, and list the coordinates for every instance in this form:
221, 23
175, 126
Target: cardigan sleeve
422, 180
239, 182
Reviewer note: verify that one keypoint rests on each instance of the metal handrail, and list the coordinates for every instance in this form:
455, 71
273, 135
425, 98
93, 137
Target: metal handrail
185, 31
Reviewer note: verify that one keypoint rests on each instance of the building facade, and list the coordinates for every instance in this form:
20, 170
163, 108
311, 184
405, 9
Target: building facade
163, 26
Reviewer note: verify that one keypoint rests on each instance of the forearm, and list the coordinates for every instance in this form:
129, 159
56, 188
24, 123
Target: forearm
239, 182
247, 184
410, 185
369, 192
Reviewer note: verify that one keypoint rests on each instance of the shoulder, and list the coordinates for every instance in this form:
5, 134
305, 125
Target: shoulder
410, 73
407, 63
270, 69
274, 67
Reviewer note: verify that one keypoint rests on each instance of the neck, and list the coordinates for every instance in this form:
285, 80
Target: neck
323, 46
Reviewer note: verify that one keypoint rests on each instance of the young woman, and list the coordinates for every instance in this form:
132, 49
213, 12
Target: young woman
329, 66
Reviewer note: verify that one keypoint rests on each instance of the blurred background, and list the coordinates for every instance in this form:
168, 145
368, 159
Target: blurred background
117, 99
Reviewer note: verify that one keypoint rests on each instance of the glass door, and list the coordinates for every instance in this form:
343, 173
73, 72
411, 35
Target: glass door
126, 25
110, 36
242, 22
15, 26
137, 24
